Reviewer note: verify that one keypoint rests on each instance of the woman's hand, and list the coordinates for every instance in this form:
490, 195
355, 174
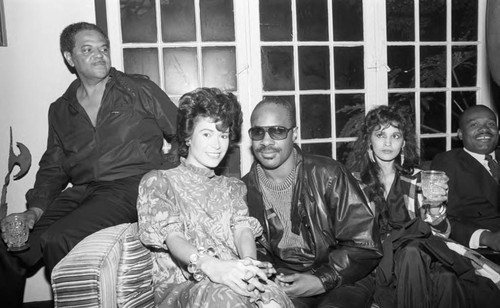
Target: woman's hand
242, 276
433, 215
266, 267
433, 209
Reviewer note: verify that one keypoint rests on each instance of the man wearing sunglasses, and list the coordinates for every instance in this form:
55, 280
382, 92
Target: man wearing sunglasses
319, 232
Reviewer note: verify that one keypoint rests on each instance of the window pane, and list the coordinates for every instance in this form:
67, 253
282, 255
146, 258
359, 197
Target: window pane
406, 101
312, 20
433, 20
181, 70
142, 61
324, 149
432, 147
314, 67
401, 60
347, 13
400, 20
315, 116
275, 20
344, 151
138, 21
464, 63
178, 21
464, 20
349, 114
433, 112
277, 68
219, 67
461, 100
217, 20
349, 67
432, 66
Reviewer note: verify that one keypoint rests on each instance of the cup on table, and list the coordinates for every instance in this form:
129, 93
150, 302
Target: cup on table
433, 189
16, 232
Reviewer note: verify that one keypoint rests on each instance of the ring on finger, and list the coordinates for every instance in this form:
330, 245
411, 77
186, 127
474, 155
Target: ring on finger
248, 275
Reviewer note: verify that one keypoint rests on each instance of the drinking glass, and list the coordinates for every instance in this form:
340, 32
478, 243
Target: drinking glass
433, 188
16, 232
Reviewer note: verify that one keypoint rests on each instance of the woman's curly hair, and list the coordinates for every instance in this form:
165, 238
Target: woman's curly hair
222, 107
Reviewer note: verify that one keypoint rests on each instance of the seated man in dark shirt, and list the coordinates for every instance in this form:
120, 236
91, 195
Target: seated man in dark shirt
105, 133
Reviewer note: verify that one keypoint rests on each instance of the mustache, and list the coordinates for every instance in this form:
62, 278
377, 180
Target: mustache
268, 148
489, 134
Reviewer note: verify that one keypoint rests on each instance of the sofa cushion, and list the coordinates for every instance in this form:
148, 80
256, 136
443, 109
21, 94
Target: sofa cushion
135, 281
87, 276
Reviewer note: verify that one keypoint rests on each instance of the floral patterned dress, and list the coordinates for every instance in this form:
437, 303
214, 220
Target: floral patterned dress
205, 208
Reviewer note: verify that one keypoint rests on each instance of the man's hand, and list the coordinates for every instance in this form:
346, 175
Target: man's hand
30, 216
300, 285
490, 239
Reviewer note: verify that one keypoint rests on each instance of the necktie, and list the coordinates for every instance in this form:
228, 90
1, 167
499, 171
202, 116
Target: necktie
493, 165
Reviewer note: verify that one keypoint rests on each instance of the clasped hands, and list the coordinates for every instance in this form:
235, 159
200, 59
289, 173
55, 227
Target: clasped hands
246, 277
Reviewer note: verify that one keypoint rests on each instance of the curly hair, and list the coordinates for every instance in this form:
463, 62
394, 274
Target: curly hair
359, 160
222, 107
67, 38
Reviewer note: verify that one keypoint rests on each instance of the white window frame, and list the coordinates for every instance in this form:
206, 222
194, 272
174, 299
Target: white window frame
248, 62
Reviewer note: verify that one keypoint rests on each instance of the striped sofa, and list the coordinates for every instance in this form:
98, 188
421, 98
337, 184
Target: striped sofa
110, 268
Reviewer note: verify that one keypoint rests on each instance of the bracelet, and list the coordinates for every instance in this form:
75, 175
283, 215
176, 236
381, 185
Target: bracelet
193, 266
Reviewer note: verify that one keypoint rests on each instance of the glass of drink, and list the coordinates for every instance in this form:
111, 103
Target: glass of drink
434, 189
16, 232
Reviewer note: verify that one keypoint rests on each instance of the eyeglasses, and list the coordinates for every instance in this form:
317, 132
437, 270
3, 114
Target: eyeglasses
275, 132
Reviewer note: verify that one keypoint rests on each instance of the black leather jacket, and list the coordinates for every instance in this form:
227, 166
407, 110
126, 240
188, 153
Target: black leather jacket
134, 117
333, 217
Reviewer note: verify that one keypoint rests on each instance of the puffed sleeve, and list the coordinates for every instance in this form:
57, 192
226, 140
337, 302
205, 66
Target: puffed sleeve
240, 217
158, 213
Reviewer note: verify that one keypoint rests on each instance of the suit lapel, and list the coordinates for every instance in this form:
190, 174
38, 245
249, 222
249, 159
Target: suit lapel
486, 182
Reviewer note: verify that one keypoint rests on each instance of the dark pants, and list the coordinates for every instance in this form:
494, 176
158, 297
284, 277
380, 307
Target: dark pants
76, 213
424, 282
419, 270
358, 295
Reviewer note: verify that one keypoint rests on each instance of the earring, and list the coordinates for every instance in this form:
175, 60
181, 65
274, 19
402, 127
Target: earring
370, 155
188, 143
402, 161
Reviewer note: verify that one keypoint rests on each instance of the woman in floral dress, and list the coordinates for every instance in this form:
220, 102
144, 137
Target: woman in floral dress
196, 222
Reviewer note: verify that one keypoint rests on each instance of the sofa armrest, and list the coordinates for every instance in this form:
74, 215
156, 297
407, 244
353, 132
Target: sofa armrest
88, 275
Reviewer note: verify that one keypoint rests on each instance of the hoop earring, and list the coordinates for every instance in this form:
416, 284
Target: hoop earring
370, 155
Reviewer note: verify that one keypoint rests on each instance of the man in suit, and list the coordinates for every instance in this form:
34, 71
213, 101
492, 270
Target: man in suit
473, 197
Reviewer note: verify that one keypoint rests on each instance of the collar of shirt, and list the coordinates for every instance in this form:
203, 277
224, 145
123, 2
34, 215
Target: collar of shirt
480, 158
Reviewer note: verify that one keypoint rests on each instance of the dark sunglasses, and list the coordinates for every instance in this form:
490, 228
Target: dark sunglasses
275, 132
